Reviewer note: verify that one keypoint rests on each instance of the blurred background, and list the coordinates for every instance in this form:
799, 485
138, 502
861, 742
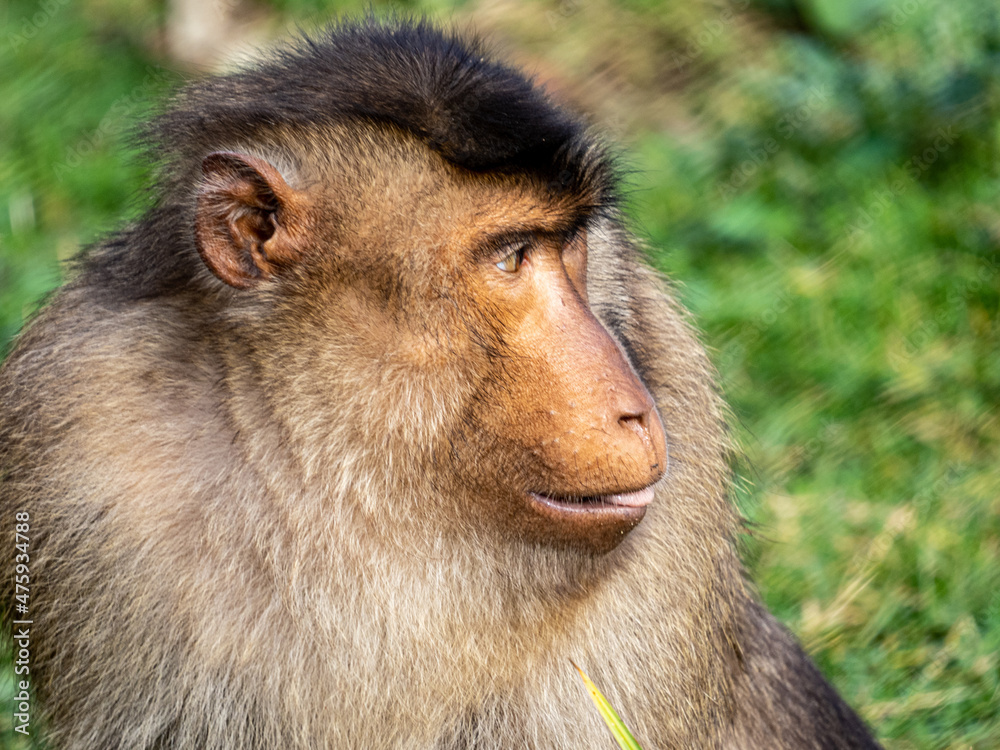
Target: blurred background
819, 177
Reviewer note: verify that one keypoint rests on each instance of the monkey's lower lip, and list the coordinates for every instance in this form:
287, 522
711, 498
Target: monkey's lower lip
638, 499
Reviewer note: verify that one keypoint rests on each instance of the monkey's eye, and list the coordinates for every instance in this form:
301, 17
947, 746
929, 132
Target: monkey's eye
512, 261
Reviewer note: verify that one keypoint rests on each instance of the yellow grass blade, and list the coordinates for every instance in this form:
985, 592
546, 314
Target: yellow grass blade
618, 729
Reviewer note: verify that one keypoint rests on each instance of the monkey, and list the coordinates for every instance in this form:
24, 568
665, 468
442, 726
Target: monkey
374, 420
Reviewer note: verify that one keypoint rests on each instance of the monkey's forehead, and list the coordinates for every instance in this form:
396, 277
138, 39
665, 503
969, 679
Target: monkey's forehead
478, 114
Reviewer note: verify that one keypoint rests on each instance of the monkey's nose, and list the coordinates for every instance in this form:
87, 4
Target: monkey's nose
638, 423
644, 422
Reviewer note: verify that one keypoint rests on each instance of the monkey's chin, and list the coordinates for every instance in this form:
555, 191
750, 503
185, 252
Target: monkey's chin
597, 522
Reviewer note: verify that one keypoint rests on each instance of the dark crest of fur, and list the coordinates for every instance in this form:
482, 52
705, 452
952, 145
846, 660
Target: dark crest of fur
260, 511
477, 113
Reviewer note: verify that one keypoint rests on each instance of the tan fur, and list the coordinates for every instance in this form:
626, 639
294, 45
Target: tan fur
259, 512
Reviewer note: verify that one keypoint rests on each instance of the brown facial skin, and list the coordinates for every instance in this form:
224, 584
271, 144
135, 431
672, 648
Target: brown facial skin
572, 432
578, 425
356, 438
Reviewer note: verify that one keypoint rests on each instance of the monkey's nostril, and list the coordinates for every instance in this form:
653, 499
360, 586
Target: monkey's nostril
638, 423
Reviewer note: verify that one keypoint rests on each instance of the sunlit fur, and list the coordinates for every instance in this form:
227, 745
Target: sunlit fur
252, 523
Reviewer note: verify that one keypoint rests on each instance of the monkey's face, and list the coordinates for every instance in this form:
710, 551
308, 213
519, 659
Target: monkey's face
564, 427
480, 285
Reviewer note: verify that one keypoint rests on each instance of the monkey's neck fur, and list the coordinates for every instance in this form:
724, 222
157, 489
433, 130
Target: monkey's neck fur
305, 582
476, 632
309, 450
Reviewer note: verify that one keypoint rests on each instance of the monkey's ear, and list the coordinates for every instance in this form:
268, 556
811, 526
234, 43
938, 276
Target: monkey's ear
247, 219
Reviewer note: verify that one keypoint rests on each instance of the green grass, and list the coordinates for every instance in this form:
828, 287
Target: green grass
823, 186
848, 284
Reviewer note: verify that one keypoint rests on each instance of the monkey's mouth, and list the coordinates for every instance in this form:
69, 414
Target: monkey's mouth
597, 523
625, 502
